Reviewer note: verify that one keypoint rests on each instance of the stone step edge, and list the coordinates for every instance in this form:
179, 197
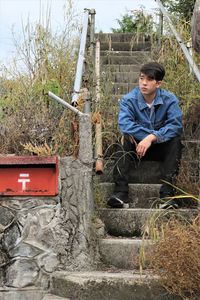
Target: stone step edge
124, 253
53, 297
129, 240
125, 72
124, 52
109, 285
87, 275
139, 185
122, 65
25, 293
149, 210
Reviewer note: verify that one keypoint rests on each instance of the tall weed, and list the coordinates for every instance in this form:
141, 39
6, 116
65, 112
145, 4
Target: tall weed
45, 61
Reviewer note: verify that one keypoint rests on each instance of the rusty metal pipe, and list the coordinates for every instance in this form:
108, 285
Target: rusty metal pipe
99, 151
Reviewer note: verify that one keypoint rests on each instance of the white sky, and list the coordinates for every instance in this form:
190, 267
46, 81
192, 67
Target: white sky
13, 12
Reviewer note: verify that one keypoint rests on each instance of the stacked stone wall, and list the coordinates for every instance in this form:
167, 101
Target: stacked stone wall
39, 235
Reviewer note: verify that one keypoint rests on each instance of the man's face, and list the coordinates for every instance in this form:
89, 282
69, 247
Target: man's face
148, 85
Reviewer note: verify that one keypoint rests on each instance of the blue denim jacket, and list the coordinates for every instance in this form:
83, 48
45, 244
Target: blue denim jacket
164, 119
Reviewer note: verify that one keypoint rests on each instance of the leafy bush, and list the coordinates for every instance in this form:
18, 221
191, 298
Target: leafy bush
137, 22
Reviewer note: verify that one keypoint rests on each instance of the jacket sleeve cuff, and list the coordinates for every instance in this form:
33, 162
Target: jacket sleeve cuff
160, 138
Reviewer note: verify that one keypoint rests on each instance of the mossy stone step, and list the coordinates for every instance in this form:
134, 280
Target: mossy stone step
125, 46
122, 253
98, 285
121, 68
124, 53
124, 77
53, 297
123, 88
134, 221
121, 37
126, 60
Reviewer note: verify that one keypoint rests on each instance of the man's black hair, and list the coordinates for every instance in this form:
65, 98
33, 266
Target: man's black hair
153, 70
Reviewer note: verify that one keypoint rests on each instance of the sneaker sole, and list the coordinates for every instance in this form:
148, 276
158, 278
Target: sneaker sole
117, 203
168, 206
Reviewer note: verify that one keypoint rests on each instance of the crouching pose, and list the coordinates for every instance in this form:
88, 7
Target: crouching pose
150, 120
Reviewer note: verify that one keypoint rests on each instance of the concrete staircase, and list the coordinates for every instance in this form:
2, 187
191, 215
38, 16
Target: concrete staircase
118, 277
122, 57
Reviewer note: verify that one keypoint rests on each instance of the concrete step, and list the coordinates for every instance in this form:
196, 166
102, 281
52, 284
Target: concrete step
121, 68
123, 88
124, 77
126, 60
29, 293
116, 98
126, 46
120, 37
53, 297
140, 195
124, 53
98, 285
133, 221
122, 253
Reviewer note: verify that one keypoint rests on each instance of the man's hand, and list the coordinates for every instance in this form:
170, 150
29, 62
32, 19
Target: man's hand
145, 144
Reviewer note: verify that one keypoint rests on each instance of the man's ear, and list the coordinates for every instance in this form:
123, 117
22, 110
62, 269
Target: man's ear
159, 82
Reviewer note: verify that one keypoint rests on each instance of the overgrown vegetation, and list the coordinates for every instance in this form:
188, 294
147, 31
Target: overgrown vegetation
31, 122
45, 61
174, 255
138, 22
182, 9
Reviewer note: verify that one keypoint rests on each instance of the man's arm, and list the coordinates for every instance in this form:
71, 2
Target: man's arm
173, 124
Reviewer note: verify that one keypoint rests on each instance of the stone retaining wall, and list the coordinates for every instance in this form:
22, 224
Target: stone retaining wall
39, 235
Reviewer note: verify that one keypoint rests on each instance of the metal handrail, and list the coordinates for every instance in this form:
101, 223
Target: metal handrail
80, 65
185, 50
81, 58
65, 104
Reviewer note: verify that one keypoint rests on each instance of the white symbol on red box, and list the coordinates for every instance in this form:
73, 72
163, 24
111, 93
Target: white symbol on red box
24, 179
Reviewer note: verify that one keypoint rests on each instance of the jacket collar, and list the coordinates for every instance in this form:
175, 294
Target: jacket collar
142, 104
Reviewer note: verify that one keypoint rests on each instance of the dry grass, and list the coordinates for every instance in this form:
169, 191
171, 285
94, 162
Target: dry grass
176, 258
47, 63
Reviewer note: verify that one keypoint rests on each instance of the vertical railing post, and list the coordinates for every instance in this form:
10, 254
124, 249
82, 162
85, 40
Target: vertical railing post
97, 72
160, 28
92, 32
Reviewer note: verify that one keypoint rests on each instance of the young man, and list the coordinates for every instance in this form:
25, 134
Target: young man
150, 120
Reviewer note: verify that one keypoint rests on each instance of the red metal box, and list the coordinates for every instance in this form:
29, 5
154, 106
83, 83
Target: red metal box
28, 175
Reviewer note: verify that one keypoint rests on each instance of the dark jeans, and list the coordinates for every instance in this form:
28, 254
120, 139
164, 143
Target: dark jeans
169, 152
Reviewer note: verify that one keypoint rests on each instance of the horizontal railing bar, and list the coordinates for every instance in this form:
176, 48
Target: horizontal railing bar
65, 104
